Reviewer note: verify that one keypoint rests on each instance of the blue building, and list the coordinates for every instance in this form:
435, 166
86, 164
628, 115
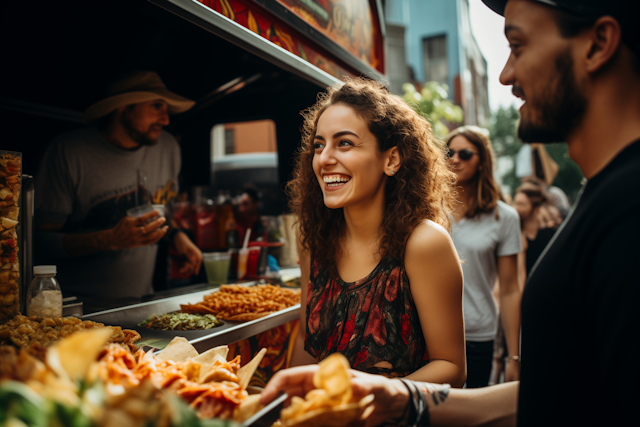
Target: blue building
431, 40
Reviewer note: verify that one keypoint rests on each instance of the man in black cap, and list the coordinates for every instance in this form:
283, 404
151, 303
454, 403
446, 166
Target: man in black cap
576, 64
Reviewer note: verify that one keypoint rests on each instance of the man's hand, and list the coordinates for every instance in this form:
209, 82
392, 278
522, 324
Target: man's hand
391, 396
185, 247
135, 232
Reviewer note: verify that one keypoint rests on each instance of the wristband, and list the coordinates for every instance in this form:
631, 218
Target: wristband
418, 413
516, 358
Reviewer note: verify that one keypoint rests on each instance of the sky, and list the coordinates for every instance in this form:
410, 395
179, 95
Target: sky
488, 30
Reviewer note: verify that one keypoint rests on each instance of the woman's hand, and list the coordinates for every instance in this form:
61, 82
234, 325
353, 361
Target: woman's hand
512, 371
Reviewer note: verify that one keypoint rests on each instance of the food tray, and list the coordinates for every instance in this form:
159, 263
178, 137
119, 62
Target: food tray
128, 317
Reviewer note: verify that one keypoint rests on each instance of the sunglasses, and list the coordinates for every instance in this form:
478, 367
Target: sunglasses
464, 154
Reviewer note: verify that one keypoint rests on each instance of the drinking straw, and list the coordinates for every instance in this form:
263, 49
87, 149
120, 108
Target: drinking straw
246, 239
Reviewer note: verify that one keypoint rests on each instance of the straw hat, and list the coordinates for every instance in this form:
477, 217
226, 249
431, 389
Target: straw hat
140, 86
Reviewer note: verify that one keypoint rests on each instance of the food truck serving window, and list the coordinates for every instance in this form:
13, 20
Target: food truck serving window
246, 154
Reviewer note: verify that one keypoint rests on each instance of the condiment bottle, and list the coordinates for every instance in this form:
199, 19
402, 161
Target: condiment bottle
44, 297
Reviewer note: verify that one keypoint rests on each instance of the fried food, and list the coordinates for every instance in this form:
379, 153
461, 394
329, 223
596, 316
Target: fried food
245, 303
35, 336
332, 402
181, 322
127, 389
214, 389
10, 168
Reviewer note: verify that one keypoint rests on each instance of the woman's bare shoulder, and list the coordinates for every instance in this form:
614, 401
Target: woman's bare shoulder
428, 238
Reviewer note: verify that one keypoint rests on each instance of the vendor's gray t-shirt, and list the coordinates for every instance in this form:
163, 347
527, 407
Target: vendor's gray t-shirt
479, 242
88, 184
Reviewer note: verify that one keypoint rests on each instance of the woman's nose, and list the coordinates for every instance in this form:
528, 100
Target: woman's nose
327, 156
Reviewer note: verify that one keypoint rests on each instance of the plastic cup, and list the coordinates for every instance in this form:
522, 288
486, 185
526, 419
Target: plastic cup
243, 257
138, 211
216, 264
252, 262
160, 209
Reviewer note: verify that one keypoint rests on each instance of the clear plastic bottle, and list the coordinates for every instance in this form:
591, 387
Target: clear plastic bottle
44, 297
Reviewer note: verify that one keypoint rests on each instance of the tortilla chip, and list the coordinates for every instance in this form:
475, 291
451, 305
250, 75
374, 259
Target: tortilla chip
246, 372
178, 350
333, 376
192, 370
218, 375
72, 356
207, 371
335, 416
208, 356
247, 408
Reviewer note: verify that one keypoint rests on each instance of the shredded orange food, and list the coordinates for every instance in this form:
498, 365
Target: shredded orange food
212, 399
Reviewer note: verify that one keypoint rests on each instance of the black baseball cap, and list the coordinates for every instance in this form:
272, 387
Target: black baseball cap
626, 12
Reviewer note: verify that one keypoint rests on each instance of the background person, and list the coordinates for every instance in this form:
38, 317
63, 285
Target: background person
548, 213
380, 276
88, 181
248, 215
528, 200
487, 237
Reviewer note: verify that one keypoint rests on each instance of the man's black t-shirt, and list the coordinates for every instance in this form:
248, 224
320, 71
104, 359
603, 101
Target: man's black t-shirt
536, 246
581, 307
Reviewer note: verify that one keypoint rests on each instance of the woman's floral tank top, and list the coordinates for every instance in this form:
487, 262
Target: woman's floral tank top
372, 321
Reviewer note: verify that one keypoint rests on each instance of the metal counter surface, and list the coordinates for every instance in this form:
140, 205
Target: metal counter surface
128, 318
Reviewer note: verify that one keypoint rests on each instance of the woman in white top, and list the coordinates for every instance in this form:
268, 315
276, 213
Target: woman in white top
486, 234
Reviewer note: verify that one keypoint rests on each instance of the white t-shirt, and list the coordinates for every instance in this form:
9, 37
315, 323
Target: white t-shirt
479, 242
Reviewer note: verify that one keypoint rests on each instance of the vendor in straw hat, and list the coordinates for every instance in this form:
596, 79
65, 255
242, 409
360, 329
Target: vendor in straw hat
89, 179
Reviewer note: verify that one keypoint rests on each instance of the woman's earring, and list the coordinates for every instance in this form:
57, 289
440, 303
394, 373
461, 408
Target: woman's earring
392, 172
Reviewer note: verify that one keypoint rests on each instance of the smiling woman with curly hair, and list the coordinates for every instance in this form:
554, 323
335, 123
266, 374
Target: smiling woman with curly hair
381, 278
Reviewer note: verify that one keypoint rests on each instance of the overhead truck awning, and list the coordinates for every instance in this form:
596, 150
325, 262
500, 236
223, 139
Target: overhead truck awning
229, 30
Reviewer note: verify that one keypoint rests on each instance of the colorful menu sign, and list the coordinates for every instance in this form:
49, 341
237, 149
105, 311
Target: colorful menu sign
349, 23
333, 18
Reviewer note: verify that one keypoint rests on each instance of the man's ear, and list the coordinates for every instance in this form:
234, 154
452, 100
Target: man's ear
603, 40
393, 161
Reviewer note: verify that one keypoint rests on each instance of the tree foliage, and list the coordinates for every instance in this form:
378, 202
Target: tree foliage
503, 126
432, 103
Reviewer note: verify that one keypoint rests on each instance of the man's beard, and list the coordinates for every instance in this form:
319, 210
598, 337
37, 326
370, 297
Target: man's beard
560, 112
142, 138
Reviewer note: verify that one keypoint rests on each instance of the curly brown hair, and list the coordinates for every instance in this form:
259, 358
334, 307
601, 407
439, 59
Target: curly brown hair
423, 187
488, 192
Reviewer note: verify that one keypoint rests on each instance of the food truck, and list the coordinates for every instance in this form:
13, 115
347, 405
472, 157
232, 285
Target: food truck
241, 61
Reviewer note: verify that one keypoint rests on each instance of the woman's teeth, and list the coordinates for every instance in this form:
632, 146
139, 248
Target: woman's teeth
335, 180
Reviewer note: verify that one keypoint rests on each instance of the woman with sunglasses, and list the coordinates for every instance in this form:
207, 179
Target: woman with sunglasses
381, 281
487, 237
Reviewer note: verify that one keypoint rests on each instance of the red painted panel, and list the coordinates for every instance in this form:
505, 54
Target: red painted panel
255, 19
349, 23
